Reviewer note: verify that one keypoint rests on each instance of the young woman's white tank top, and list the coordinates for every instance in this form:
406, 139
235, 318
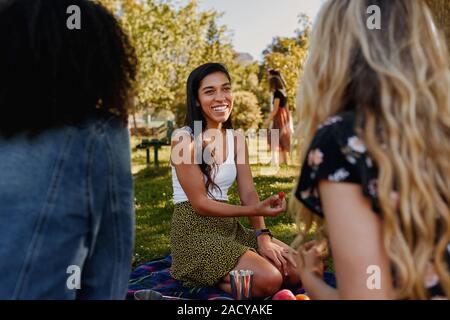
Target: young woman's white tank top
225, 174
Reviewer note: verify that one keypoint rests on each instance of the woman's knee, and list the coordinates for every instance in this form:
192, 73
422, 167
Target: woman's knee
267, 279
267, 283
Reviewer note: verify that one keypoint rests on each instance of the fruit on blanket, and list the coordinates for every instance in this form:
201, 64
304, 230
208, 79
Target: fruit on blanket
302, 297
284, 294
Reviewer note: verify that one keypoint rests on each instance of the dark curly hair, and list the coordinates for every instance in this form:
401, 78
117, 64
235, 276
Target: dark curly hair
52, 76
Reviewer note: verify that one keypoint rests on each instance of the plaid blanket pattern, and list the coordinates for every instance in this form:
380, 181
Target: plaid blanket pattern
155, 275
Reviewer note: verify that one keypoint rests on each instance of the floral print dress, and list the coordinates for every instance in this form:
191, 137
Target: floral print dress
337, 154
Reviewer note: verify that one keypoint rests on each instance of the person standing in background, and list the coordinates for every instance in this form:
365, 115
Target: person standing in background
279, 118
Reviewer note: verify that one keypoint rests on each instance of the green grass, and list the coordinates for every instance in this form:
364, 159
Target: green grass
154, 207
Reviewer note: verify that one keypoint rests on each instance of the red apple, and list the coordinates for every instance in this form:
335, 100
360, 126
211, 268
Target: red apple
284, 294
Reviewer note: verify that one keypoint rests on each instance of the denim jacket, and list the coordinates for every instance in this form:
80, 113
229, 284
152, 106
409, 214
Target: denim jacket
66, 213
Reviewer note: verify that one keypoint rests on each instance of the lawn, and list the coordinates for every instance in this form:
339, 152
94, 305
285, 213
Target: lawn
154, 207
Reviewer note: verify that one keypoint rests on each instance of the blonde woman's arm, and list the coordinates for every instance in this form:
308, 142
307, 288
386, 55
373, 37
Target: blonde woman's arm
356, 239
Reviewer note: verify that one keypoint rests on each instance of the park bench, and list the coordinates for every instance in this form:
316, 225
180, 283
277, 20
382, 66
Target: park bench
162, 137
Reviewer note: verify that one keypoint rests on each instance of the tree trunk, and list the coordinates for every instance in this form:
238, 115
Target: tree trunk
134, 119
441, 11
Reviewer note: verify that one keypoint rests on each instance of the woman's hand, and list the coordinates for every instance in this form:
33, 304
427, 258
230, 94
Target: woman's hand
271, 207
277, 255
310, 259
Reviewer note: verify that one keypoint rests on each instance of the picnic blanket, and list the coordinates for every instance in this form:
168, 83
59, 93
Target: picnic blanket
155, 275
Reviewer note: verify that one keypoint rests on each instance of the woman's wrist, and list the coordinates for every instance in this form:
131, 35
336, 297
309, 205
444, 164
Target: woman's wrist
262, 232
253, 210
263, 239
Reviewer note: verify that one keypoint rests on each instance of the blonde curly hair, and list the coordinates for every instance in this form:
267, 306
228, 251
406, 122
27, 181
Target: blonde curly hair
398, 80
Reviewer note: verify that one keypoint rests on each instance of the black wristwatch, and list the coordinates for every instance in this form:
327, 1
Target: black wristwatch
263, 231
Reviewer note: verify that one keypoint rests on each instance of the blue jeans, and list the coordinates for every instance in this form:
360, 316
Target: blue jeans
66, 213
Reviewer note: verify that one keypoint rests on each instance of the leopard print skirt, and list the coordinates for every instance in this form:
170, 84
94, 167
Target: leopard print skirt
206, 249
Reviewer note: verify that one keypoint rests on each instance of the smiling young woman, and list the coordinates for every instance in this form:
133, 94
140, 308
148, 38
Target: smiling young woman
215, 99
207, 240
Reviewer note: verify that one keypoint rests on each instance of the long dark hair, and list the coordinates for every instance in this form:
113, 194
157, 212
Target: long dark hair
277, 73
276, 83
194, 112
52, 76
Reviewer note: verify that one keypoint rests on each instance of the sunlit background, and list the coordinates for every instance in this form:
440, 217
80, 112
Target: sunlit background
255, 22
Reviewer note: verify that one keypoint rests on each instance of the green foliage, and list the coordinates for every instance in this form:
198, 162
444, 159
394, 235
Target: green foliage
218, 46
170, 42
246, 77
246, 111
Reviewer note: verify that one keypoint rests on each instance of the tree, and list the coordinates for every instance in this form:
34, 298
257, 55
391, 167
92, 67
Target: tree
218, 46
170, 41
246, 112
441, 11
